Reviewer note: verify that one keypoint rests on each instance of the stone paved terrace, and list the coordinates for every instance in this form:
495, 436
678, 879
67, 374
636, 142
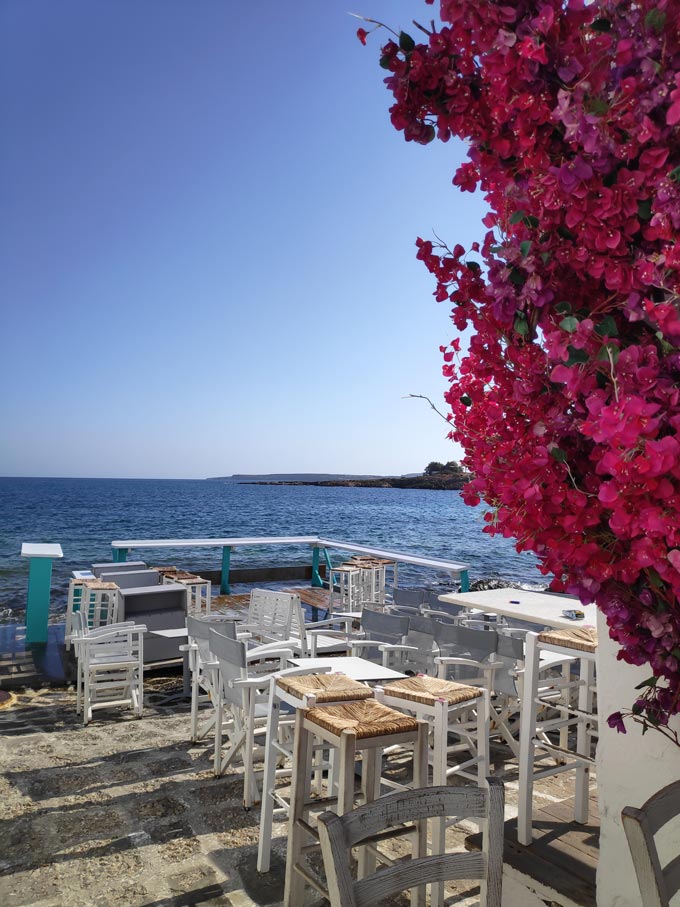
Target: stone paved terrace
127, 813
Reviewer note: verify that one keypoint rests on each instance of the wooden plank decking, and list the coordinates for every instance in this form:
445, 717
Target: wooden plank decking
563, 856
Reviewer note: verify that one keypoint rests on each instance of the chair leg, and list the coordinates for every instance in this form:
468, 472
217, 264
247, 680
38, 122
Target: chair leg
302, 767
217, 761
370, 785
526, 741
439, 772
585, 704
268, 784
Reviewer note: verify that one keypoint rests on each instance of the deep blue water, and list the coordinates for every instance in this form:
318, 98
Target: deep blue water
85, 515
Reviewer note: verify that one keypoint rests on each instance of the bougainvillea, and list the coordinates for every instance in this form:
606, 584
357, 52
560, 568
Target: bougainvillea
567, 401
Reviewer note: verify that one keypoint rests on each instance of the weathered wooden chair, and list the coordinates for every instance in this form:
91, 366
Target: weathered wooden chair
204, 669
369, 824
242, 703
110, 666
658, 883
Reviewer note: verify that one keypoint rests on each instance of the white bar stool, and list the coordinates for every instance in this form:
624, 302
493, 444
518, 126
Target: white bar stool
299, 691
368, 726
579, 644
99, 603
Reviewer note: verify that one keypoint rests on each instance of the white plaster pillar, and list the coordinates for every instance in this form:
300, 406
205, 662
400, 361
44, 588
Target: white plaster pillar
630, 768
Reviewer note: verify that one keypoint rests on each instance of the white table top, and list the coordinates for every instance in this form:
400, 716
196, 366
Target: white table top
533, 607
172, 633
83, 574
354, 667
32, 549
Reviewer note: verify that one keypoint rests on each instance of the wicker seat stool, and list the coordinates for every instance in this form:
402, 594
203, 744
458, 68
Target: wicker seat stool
574, 712
297, 690
365, 725
447, 707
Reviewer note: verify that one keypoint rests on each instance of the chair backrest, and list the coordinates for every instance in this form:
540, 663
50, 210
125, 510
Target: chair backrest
117, 567
198, 631
270, 613
510, 653
411, 597
435, 604
421, 632
383, 627
339, 834
131, 579
658, 884
457, 641
231, 656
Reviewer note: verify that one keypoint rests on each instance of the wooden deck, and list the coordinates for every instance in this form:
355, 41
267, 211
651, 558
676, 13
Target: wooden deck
563, 857
314, 598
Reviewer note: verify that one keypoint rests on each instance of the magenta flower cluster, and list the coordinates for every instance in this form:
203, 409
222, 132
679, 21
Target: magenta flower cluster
567, 402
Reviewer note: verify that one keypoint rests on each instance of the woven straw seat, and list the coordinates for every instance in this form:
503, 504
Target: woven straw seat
99, 586
325, 687
166, 570
428, 690
367, 719
583, 639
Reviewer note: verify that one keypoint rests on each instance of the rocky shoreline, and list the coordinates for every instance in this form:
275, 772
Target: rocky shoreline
431, 483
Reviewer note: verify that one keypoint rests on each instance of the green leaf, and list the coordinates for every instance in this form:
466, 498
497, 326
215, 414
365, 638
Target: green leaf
597, 106
563, 307
650, 682
675, 175
608, 353
576, 356
569, 324
517, 217
655, 19
521, 325
607, 327
474, 266
406, 42
637, 708
545, 257
558, 455
676, 652
644, 209
654, 578
385, 61
465, 400
525, 247
565, 233
602, 25
531, 220
517, 278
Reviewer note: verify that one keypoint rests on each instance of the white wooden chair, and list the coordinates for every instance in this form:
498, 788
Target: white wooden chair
658, 883
204, 669
370, 823
242, 704
110, 666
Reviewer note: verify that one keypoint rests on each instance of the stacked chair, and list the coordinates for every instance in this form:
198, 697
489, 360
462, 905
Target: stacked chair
110, 670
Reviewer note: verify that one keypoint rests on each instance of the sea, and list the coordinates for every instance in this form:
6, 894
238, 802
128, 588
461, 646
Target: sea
85, 515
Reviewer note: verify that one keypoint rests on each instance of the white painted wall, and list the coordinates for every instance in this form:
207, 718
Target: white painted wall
630, 768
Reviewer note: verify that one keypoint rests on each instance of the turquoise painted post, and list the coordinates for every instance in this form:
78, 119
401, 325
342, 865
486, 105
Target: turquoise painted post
226, 561
39, 582
464, 581
316, 577
119, 555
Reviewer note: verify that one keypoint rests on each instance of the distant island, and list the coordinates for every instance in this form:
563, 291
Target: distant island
436, 477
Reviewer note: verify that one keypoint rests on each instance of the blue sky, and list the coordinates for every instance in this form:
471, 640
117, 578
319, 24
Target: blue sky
207, 259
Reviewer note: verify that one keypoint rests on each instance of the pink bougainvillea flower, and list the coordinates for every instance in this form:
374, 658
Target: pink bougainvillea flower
566, 401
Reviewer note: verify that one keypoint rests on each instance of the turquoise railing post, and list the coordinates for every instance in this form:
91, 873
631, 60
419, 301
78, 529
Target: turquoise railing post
39, 583
119, 555
224, 579
464, 581
316, 577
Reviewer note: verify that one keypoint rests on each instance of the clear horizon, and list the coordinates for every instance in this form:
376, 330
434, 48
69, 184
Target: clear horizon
208, 249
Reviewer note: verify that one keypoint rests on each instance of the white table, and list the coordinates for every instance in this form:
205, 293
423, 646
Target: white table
534, 607
355, 668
